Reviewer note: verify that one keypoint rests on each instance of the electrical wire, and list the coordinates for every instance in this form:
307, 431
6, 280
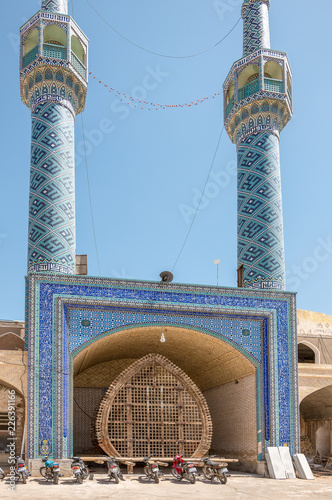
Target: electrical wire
90, 199
85, 413
157, 53
199, 204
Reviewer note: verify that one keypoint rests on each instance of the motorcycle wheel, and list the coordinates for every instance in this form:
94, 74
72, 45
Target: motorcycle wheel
191, 477
85, 472
116, 478
79, 479
24, 478
156, 477
56, 478
42, 471
176, 474
146, 471
208, 473
222, 477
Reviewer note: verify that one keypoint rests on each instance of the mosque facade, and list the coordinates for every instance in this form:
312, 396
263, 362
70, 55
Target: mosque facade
137, 367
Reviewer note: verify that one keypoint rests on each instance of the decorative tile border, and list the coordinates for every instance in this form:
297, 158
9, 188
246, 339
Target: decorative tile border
55, 337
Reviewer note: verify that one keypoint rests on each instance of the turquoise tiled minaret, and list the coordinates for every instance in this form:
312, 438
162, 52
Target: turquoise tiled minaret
53, 77
257, 106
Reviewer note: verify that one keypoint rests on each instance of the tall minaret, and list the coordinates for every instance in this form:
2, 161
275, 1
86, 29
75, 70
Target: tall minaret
257, 106
53, 76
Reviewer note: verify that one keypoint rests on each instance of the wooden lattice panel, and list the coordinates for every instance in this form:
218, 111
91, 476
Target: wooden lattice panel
154, 409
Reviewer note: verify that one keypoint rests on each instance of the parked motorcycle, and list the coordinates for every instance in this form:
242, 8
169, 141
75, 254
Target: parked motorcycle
21, 472
212, 469
151, 470
114, 471
2, 474
50, 471
80, 470
183, 470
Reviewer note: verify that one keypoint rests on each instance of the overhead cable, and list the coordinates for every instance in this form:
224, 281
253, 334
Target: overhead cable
157, 53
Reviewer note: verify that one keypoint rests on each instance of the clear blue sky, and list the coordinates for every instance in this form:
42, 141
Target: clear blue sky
147, 167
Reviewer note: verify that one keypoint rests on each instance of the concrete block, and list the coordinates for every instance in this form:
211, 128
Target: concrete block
286, 460
302, 466
274, 463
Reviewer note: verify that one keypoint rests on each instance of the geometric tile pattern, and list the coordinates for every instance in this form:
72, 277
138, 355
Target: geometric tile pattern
61, 85
257, 108
52, 190
256, 25
260, 221
53, 85
69, 313
60, 6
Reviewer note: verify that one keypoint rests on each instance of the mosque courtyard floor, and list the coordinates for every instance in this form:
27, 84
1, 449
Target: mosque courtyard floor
135, 487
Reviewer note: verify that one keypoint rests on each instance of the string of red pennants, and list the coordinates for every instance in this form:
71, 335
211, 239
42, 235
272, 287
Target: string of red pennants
127, 99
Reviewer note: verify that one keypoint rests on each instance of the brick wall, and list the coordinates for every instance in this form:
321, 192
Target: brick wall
233, 412
13, 375
86, 403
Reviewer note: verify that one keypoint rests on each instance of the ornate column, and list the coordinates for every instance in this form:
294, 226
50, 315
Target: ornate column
254, 118
53, 85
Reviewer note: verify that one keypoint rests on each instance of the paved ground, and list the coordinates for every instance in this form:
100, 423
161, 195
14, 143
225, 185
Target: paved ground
135, 487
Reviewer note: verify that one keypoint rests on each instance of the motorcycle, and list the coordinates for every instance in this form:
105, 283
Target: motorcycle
151, 470
80, 470
212, 469
2, 474
181, 469
114, 471
50, 471
21, 472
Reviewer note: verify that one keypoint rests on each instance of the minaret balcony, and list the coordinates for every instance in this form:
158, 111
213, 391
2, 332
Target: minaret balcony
53, 39
53, 51
258, 93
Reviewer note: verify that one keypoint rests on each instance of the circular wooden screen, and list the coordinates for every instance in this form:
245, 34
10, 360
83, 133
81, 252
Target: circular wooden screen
154, 409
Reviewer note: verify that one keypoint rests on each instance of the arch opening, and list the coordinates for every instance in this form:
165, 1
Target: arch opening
305, 353
223, 374
316, 420
55, 42
31, 41
30, 47
248, 81
273, 69
77, 49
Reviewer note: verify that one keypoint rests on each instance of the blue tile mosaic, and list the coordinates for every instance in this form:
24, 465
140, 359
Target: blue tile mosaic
68, 313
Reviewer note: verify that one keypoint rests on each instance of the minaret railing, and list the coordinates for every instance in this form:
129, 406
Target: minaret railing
78, 65
30, 56
54, 51
274, 85
248, 89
